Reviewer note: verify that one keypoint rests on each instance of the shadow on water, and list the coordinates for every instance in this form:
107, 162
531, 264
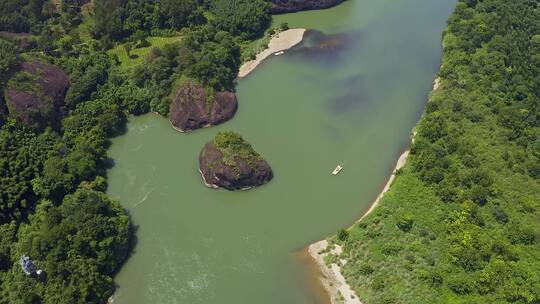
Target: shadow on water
353, 93
331, 51
132, 244
109, 163
326, 49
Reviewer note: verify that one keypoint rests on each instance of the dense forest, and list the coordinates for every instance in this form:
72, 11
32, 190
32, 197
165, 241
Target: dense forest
460, 222
71, 72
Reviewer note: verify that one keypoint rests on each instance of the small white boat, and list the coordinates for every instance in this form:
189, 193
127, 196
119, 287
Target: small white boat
279, 53
337, 169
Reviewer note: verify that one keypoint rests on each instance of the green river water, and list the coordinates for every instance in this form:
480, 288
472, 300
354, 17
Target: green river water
305, 112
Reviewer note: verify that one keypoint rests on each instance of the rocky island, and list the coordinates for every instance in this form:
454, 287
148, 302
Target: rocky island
229, 162
289, 6
193, 109
35, 95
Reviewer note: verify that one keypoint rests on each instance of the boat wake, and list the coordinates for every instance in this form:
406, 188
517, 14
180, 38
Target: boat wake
144, 198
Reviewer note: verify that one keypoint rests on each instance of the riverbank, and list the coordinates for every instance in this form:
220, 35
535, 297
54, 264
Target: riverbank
311, 101
333, 280
281, 42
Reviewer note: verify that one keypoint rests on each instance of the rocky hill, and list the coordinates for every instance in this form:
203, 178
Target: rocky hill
230, 162
35, 95
192, 109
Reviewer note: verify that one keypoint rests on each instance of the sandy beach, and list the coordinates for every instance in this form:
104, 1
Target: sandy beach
332, 279
281, 42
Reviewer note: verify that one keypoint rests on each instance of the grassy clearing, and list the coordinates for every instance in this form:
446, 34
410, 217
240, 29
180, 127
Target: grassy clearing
137, 55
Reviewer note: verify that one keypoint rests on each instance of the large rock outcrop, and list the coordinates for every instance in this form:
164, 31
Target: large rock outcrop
230, 162
192, 109
288, 6
35, 95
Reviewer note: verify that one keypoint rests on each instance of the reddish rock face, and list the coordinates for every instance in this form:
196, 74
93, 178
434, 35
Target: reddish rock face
288, 6
241, 176
43, 104
191, 110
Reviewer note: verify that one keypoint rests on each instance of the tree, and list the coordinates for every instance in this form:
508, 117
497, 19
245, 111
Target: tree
128, 46
405, 222
244, 18
79, 244
177, 14
343, 235
108, 20
139, 39
8, 59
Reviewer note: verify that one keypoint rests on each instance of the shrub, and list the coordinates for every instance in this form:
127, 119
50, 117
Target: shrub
343, 235
460, 284
391, 249
378, 283
500, 215
404, 222
365, 269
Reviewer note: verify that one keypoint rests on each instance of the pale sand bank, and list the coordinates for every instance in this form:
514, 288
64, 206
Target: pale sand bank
333, 280
281, 42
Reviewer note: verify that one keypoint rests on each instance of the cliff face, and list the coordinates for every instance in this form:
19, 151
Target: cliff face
192, 110
35, 95
288, 6
232, 170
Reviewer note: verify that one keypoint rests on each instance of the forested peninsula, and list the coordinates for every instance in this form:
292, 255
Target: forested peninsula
71, 72
460, 222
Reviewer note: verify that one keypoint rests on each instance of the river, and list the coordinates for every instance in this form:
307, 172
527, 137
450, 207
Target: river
350, 93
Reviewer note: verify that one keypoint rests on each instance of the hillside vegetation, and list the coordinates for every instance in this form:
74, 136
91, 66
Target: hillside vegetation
232, 145
122, 57
461, 221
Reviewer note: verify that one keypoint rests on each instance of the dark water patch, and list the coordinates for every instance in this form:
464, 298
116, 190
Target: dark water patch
333, 133
326, 49
350, 81
352, 94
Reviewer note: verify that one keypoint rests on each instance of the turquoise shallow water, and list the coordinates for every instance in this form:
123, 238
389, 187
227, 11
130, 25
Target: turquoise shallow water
351, 92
